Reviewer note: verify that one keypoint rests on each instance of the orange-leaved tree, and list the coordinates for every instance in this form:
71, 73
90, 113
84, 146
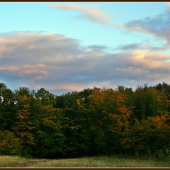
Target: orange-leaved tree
24, 125
9, 144
107, 118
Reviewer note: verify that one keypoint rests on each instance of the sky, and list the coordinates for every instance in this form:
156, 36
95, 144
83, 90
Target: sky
70, 46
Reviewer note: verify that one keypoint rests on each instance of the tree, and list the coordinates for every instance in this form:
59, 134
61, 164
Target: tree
9, 144
7, 107
49, 136
106, 116
24, 125
45, 96
150, 134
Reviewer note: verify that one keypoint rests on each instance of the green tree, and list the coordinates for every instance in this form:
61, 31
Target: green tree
7, 107
45, 97
50, 136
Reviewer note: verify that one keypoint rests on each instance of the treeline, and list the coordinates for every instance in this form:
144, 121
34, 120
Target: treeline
91, 122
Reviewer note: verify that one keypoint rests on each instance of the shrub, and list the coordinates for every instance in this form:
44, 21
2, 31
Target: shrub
167, 151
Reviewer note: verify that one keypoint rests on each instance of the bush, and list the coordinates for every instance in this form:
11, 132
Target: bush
167, 151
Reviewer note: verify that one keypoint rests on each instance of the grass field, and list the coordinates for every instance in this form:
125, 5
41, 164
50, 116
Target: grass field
100, 161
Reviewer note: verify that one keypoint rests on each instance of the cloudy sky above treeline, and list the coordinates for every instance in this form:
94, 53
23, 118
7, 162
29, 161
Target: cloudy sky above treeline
65, 47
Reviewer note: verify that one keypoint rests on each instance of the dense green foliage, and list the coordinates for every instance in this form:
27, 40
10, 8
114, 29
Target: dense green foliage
87, 123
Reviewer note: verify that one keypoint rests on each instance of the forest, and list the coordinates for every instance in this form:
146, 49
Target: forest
97, 121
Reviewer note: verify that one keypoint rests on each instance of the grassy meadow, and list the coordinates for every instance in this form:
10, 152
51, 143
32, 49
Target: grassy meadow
98, 161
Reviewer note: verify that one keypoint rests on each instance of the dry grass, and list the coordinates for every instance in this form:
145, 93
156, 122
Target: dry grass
17, 161
101, 161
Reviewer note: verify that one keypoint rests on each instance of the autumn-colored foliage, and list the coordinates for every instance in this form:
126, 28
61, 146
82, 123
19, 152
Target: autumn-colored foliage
91, 122
9, 144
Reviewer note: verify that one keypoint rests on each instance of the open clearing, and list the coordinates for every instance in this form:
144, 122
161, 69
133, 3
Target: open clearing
99, 161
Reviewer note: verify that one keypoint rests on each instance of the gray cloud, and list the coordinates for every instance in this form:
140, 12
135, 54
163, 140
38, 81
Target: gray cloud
141, 46
60, 64
158, 26
133, 46
98, 47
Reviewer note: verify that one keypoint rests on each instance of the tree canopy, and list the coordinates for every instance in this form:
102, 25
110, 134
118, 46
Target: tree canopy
91, 122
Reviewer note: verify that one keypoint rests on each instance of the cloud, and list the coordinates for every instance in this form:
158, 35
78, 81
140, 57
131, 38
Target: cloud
141, 46
52, 57
150, 60
26, 70
133, 46
61, 64
158, 26
86, 11
9, 68
97, 47
168, 5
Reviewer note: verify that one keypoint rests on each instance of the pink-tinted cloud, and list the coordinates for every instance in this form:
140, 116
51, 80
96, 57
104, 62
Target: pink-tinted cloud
168, 5
88, 11
10, 68
34, 66
61, 64
24, 70
150, 60
32, 71
69, 87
